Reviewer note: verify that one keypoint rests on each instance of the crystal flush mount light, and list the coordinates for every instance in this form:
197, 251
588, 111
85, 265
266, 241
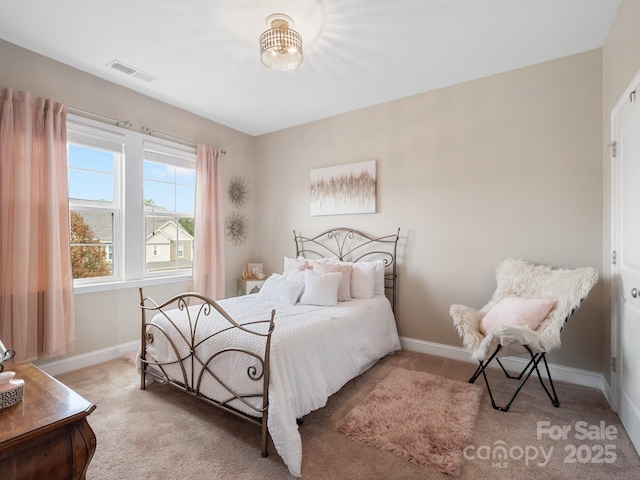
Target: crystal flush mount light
280, 46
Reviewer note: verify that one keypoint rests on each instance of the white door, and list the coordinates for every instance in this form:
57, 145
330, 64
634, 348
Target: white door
626, 271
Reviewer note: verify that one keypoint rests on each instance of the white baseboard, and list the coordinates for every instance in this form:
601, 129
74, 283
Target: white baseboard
87, 359
558, 372
606, 391
564, 374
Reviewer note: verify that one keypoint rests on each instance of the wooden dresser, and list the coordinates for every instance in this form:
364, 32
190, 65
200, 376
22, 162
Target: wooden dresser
46, 435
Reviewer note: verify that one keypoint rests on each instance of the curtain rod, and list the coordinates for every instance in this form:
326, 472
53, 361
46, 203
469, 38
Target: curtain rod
127, 124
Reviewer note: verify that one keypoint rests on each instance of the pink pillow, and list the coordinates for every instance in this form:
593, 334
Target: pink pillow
344, 292
518, 311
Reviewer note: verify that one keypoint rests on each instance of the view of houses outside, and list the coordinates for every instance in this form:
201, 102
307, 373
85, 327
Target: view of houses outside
169, 242
169, 245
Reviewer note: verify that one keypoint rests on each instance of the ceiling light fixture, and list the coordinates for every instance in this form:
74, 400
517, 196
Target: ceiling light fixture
280, 46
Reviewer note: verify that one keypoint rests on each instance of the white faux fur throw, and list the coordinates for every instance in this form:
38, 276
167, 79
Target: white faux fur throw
525, 279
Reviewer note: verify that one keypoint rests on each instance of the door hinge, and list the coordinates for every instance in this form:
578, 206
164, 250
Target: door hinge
614, 364
614, 149
614, 257
632, 97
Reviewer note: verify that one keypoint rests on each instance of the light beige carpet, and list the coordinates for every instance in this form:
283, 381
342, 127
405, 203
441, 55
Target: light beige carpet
161, 433
422, 418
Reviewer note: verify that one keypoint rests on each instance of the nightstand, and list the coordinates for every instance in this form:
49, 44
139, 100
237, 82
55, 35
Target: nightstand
246, 286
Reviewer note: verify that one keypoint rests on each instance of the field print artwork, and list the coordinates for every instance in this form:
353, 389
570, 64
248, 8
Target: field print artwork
344, 189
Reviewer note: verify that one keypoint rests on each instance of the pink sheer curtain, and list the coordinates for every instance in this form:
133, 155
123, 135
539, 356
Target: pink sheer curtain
36, 283
208, 268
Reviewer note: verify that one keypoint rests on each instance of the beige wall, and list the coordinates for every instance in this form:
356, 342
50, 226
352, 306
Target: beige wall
621, 63
111, 318
505, 166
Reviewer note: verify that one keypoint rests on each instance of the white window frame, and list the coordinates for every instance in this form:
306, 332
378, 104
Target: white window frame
99, 138
129, 228
179, 156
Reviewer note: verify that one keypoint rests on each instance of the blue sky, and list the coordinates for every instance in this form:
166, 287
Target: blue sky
91, 177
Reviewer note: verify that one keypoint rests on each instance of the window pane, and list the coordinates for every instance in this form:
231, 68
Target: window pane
169, 188
91, 174
185, 199
91, 244
186, 176
86, 185
87, 157
169, 243
160, 195
159, 172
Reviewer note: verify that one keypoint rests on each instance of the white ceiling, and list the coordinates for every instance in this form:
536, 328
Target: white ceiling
357, 53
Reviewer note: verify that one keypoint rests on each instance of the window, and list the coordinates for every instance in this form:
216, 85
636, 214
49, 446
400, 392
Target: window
169, 205
94, 160
131, 204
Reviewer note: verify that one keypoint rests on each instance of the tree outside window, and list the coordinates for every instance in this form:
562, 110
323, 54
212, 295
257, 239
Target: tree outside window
88, 256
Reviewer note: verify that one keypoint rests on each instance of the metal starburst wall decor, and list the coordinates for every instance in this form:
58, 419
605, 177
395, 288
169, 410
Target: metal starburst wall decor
236, 228
238, 191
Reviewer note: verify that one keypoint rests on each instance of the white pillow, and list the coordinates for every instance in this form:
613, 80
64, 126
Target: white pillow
344, 291
517, 311
295, 274
279, 289
321, 288
379, 288
363, 280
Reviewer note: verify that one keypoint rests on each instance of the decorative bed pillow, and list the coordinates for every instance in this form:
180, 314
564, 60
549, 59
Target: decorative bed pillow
379, 288
344, 291
290, 264
321, 288
517, 311
279, 289
363, 280
301, 263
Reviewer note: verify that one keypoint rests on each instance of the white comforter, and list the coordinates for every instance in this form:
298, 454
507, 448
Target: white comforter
314, 352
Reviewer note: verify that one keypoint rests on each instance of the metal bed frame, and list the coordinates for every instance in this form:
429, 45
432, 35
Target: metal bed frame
189, 382
350, 245
344, 243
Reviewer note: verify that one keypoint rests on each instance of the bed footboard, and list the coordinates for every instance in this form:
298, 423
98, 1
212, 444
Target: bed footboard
192, 343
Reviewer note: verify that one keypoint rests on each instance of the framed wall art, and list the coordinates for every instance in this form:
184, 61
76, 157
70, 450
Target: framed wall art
255, 270
344, 189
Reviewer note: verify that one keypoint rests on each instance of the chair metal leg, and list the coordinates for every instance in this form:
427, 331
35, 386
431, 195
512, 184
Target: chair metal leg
508, 375
482, 365
476, 374
554, 399
526, 372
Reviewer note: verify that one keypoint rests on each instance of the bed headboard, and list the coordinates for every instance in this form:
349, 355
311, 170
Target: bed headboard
350, 245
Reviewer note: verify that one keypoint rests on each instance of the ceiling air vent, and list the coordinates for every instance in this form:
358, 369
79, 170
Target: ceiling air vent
133, 72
